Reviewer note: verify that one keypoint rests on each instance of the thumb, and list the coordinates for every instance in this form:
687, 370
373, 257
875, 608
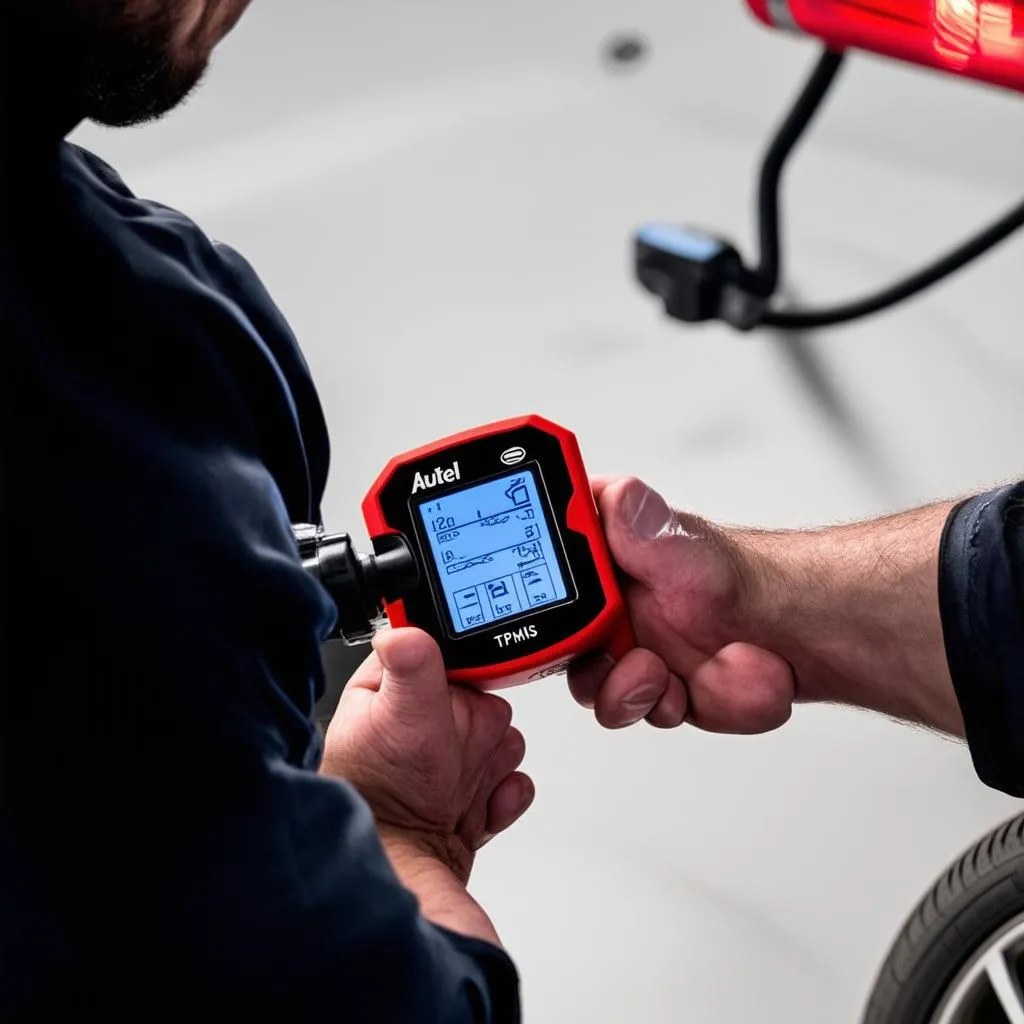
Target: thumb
648, 539
413, 681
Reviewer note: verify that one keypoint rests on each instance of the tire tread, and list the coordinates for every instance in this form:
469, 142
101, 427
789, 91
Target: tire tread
982, 889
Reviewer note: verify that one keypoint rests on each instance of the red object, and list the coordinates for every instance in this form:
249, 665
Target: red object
982, 39
609, 630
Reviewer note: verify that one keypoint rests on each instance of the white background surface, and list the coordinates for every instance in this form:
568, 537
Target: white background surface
439, 195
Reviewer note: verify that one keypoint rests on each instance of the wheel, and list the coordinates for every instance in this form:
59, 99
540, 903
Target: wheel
959, 958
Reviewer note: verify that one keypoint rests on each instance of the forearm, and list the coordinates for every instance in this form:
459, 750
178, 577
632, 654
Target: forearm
443, 898
855, 610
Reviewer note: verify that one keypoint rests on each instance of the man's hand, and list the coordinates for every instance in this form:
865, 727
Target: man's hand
687, 590
436, 763
735, 625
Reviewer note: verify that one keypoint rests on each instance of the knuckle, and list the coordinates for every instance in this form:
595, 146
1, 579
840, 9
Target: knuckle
516, 746
512, 740
498, 714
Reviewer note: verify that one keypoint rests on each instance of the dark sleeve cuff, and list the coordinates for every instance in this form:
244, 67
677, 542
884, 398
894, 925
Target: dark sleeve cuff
501, 980
981, 599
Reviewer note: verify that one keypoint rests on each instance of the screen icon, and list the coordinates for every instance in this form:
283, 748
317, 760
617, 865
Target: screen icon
494, 550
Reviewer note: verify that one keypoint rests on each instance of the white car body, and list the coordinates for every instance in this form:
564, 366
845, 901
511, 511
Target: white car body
440, 196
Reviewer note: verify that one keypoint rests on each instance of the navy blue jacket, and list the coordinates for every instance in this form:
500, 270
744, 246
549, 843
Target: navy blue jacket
167, 850
981, 591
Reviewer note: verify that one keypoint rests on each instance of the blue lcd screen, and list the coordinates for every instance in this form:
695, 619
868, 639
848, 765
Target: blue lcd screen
493, 550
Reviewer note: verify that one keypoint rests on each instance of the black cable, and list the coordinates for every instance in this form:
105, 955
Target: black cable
765, 279
686, 284
766, 276
827, 316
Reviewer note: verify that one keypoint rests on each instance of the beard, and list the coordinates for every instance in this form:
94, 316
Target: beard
129, 69
119, 62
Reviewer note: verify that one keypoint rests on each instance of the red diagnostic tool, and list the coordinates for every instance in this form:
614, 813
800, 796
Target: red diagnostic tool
515, 577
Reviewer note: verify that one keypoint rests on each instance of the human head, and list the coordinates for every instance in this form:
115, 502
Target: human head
122, 62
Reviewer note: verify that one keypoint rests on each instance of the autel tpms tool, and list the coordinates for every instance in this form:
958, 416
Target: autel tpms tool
490, 541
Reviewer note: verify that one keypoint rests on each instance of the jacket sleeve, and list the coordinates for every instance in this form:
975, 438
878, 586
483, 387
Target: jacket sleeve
981, 597
223, 867
177, 851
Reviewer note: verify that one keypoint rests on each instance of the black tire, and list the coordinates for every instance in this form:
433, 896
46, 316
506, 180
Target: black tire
980, 892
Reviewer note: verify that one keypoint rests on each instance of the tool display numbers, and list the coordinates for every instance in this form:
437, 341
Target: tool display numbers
493, 550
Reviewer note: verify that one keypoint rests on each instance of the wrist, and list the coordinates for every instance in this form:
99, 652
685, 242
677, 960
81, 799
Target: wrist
422, 864
854, 609
415, 848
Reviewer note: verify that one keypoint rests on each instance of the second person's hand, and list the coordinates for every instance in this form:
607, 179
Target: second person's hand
436, 762
438, 766
688, 589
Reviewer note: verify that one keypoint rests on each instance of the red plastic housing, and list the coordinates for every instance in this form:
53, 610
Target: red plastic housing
610, 631
981, 39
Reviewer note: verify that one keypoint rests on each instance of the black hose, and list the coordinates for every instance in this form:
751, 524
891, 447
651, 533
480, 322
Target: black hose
827, 316
756, 287
766, 277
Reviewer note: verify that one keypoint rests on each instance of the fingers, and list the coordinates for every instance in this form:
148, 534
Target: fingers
367, 676
507, 793
508, 756
670, 712
742, 689
599, 484
587, 676
640, 686
504, 793
508, 803
412, 676
634, 518
482, 721
653, 543
402, 652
